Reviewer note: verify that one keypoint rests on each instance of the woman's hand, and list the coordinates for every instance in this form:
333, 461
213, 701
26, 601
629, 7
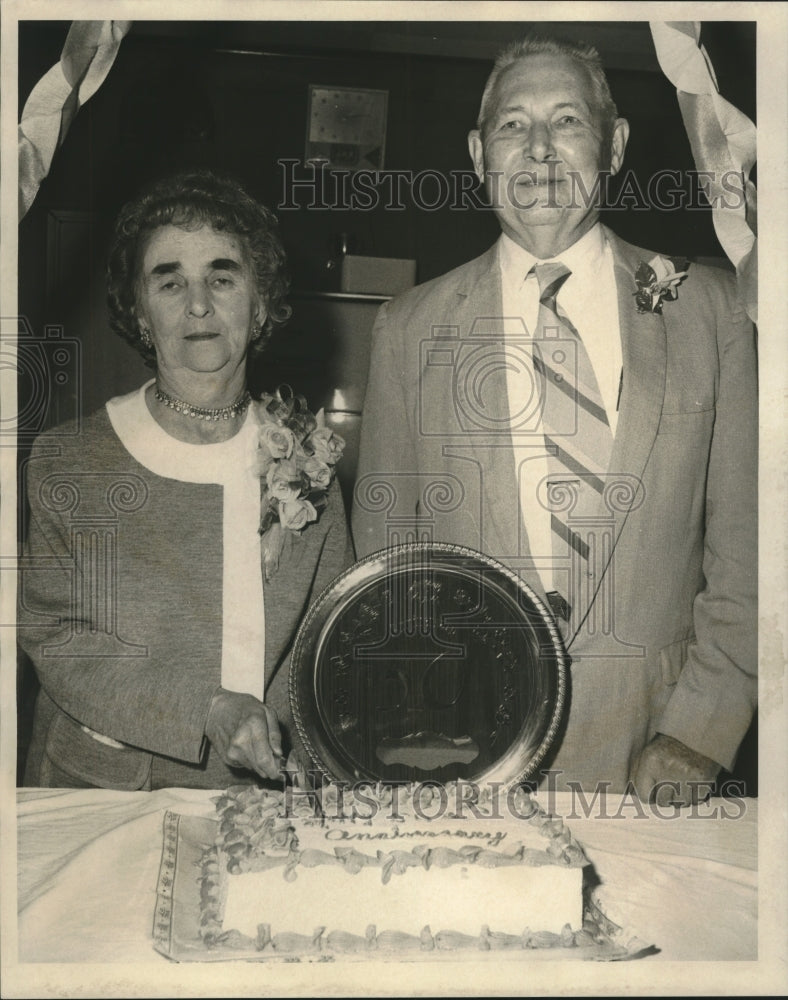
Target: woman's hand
245, 733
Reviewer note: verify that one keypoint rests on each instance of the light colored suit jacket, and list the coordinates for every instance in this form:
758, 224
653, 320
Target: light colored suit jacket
670, 642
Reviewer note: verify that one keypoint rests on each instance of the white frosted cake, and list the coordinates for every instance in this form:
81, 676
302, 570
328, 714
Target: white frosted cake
379, 868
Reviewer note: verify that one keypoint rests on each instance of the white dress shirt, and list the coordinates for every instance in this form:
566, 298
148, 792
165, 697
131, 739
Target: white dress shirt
589, 299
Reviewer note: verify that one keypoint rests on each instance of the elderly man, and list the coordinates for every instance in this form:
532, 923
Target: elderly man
576, 408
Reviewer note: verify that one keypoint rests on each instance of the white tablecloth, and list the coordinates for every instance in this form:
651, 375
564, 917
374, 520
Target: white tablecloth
88, 864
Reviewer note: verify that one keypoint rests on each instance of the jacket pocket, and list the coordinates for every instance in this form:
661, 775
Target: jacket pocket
690, 422
82, 756
672, 659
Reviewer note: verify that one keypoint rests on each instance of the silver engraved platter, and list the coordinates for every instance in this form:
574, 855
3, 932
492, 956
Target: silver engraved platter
427, 662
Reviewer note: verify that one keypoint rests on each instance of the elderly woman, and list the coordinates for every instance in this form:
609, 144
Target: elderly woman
177, 535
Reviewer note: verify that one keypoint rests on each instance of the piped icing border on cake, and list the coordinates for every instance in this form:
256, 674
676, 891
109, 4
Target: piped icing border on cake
256, 832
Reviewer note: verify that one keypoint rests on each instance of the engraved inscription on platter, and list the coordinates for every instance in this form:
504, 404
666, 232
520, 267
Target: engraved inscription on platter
427, 663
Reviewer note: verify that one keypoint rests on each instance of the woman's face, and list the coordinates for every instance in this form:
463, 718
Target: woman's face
199, 300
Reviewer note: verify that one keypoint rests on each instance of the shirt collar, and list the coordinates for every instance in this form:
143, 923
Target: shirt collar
584, 257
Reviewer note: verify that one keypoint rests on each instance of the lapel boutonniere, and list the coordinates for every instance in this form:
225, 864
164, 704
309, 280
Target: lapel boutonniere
657, 280
295, 459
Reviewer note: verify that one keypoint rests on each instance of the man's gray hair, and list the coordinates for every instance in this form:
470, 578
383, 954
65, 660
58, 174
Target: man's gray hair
533, 45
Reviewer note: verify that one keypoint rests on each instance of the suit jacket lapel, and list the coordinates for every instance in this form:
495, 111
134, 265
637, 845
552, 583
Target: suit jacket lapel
644, 355
478, 314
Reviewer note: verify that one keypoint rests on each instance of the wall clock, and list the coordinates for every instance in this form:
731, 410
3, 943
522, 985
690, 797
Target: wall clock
346, 127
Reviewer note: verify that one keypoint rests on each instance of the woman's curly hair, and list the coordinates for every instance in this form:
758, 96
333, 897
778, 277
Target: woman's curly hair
192, 199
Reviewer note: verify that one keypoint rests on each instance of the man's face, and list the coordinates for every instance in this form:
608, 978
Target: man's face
542, 148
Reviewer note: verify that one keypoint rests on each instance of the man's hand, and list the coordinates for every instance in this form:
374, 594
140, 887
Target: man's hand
245, 732
667, 769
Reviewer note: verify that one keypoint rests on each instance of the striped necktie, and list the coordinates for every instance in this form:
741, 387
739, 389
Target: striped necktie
577, 437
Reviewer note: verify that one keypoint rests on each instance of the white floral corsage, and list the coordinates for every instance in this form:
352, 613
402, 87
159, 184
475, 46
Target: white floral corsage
657, 280
295, 460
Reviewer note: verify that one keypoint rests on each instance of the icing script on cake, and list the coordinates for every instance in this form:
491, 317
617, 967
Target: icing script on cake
395, 831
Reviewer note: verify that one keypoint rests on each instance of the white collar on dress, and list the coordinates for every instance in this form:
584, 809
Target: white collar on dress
153, 447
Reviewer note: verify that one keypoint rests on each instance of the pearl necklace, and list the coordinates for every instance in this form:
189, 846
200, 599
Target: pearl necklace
204, 412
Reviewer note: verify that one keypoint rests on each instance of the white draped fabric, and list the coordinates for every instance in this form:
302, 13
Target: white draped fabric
87, 57
723, 142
